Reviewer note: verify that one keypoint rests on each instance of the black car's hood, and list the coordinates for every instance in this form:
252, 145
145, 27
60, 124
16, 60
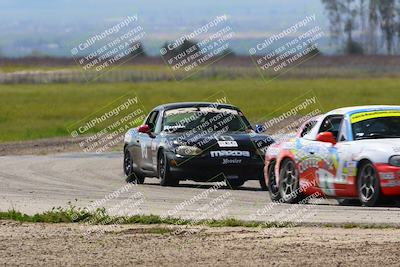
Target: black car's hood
226, 140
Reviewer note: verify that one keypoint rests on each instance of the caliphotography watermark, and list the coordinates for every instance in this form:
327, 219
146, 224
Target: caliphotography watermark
111, 211
290, 47
278, 217
211, 204
285, 122
199, 48
112, 46
105, 129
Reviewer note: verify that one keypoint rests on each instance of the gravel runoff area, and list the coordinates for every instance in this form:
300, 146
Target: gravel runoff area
42, 146
158, 245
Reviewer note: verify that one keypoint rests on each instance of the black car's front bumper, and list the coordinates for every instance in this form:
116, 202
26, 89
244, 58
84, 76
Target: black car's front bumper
203, 169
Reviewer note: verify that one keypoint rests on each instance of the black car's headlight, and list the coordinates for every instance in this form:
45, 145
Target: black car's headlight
188, 150
395, 160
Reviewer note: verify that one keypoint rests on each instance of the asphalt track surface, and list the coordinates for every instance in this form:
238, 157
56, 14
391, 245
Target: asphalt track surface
32, 184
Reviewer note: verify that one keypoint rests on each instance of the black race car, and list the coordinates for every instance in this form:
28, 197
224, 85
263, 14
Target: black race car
204, 142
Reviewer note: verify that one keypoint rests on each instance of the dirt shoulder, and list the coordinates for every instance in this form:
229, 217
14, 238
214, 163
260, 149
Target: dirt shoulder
69, 244
43, 146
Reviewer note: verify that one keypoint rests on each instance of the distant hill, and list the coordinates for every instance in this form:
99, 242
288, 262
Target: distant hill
53, 27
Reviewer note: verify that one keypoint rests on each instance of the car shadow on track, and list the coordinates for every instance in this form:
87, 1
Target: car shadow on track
208, 186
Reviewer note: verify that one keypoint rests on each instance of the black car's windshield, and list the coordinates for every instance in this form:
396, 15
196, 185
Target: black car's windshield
374, 126
201, 119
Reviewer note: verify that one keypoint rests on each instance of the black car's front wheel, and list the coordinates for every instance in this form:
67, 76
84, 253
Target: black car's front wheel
131, 175
235, 183
369, 190
164, 173
263, 184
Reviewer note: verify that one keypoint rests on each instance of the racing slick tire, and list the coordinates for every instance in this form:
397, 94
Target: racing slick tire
164, 173
235, 183
272, 186
289, 183
368, 185
131, 175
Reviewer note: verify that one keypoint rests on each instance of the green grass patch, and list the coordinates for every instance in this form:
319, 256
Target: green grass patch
9, 68
73, 214
158, 230
25, 68
100, 217
34, 111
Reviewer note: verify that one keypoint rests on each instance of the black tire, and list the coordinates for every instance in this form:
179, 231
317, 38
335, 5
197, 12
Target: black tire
131, 175
368, 185
289, 183
263, 184
272, 186
235, 183
348, 202
164, 173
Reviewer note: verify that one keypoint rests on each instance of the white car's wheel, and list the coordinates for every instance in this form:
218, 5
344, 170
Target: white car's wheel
289, 183
272, 185
369, 189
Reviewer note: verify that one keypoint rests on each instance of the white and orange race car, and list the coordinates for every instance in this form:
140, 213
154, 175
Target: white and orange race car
351, 154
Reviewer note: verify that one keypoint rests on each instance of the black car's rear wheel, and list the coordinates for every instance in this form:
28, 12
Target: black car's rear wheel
263, 184
164, 173
369, 189
272, 185
131, 175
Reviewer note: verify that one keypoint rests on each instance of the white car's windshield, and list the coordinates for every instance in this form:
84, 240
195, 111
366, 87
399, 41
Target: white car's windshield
187, 119
374, 125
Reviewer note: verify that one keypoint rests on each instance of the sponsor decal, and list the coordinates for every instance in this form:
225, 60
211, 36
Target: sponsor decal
229, 153
391, 184
387, 175
374, 114
350, 168
308, 164
225, 138
227, 144
326, 180
231, 161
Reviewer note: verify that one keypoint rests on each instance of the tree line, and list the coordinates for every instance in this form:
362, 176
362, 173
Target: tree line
365, 26
180, 49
